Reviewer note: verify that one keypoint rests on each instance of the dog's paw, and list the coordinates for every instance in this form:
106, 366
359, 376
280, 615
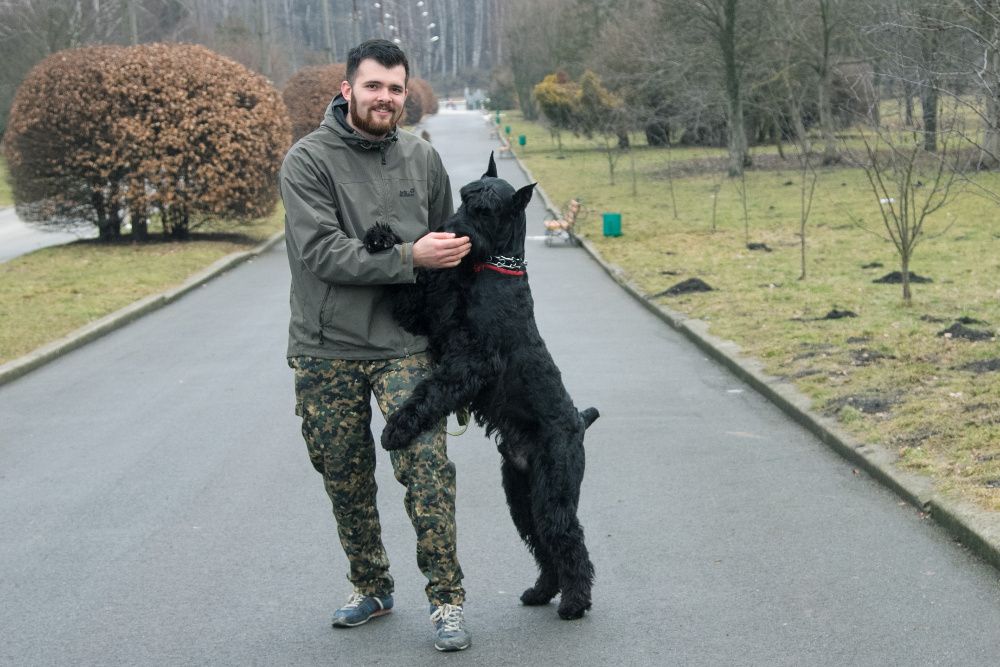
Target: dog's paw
380, 237
571, 608
537, 596
394, 436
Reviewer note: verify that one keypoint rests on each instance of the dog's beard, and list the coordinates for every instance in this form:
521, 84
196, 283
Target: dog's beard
371, 125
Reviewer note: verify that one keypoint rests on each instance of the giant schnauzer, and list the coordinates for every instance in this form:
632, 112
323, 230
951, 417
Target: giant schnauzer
480, 324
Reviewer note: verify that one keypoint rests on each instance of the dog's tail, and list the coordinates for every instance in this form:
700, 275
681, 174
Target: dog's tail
589, 416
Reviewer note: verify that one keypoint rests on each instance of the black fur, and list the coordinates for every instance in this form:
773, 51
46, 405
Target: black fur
490, 357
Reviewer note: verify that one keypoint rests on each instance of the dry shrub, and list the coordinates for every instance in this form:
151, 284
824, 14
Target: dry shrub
308, 93
427, 97
155, 131
413, 106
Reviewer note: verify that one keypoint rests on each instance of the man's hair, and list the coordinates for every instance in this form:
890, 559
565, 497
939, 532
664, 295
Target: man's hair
382, 51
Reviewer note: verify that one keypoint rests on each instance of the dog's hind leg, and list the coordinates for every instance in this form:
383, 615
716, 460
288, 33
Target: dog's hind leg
555, 493
518, 489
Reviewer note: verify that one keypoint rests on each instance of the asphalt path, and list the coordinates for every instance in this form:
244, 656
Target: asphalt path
18, 237
157, 506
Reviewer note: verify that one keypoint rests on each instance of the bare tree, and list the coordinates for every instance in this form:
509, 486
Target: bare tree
909, 184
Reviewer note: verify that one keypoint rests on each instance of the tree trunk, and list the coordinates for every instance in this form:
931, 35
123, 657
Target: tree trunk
739, 155
477, 34
929, 104
329, 44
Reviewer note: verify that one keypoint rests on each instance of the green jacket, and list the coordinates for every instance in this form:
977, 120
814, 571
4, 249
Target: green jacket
335, 185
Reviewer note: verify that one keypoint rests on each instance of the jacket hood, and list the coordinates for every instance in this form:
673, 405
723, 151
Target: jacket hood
335, 119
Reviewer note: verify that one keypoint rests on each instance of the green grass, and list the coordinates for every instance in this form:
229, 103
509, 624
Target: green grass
6, 196
51, 292
886, 374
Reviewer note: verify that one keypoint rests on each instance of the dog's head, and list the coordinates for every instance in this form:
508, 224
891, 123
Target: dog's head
492, 216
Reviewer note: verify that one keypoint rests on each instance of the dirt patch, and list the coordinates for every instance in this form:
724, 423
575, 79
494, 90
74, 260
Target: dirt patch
854, 340
869, 404
872, 265
896, 278
959, 330
982, 366
838, 314
688, 286
932, 319
992, 484
866, 357
758, 246
970, 320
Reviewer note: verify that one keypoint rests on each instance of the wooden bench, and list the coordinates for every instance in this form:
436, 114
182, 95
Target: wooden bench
504, 151
562, 228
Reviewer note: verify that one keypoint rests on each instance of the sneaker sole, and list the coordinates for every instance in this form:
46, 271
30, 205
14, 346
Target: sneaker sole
451, 647
342, 624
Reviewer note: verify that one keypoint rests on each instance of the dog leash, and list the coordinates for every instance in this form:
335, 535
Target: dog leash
462, 414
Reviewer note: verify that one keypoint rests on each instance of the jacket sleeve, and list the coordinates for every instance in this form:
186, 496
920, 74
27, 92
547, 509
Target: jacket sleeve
440, 205
314, 233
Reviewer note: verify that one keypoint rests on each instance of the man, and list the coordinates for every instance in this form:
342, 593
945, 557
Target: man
357, 169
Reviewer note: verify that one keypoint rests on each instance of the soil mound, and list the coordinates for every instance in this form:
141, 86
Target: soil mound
896, 278
686, 287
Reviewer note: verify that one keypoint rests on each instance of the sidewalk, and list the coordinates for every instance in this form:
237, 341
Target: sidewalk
19, 238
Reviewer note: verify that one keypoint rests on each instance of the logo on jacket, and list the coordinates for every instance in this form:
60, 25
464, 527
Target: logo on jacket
412, 192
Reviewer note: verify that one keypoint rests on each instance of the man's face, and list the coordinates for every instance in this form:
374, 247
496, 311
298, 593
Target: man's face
375, 100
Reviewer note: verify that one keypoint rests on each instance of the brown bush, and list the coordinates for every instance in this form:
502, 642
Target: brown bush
161, 131
308, 93
413, 106
429, 100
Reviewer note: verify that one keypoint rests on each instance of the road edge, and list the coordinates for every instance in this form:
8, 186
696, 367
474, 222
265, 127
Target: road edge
23, 365
972, 526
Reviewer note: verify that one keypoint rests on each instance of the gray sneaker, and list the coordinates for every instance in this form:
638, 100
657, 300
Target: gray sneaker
449, 628
361, 609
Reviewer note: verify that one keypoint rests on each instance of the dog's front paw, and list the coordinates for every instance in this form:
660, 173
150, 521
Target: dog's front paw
380, 237
394, 435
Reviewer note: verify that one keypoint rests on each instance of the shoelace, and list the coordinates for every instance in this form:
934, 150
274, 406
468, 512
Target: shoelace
355, 601
450, 617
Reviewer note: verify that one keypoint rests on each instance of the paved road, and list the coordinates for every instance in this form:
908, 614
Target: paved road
157, 506
18, 238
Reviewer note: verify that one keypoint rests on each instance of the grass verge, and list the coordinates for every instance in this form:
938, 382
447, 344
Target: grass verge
49, 293
888, 374
6, 196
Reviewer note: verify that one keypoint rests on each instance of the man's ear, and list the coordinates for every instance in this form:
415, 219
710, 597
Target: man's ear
523, 196
345, 90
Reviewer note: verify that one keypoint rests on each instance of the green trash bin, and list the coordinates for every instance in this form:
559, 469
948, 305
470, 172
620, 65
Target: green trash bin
612, 224
521, 140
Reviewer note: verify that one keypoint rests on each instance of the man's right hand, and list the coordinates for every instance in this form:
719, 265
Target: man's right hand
440, 250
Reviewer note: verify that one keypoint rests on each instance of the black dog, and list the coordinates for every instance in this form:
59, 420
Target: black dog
479, 320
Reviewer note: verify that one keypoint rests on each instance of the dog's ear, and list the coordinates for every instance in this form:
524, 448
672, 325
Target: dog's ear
523, 196
491, 170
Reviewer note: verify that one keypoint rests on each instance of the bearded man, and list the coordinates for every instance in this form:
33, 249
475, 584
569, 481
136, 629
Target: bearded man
355, 170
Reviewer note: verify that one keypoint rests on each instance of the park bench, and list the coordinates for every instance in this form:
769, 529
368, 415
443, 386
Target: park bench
504, 151
561, 229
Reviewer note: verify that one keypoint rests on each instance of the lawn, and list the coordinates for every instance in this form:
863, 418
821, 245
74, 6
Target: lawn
888, 373
50, 292
6, 197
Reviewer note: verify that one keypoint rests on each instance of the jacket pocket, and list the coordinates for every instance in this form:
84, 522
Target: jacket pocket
325, 311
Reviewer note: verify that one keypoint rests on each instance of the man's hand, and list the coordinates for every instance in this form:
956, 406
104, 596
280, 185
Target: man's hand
440, 250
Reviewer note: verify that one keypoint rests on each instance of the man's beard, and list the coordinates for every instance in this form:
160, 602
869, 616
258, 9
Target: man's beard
370, 125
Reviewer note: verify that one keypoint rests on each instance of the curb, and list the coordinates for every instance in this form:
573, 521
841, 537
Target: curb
22, 365
976, 528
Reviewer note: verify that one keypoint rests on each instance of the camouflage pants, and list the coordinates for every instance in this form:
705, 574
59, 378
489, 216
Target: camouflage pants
333, 397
